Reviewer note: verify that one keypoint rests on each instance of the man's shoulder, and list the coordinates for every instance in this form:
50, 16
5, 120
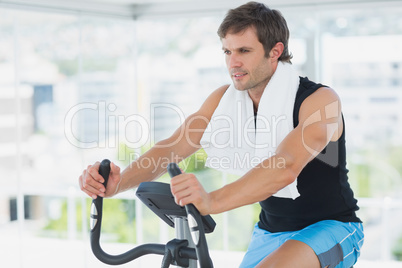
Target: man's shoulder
312, 90
210, 104
307, 88
306, 85
312, 96
216, 96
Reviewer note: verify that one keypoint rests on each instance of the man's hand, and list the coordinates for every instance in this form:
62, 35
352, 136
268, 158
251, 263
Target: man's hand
91, 182
186, 189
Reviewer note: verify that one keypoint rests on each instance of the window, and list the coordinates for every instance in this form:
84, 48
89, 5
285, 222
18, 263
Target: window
75, 89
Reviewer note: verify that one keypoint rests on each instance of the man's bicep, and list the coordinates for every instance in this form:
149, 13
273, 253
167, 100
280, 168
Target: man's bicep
322, 109
320, 121
300, 147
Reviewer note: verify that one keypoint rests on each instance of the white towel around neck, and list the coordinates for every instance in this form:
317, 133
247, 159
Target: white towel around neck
231, 140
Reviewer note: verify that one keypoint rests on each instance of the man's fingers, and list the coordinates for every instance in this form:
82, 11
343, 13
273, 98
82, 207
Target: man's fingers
89, 183
183, 197
178, 183
92, 191
88, 189
185, 178
94, 172
185, 188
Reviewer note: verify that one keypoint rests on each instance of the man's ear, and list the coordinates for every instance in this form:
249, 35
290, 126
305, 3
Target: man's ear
276, 51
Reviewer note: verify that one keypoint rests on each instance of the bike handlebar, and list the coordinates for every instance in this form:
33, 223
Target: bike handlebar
96, 222
195, 225
197, 231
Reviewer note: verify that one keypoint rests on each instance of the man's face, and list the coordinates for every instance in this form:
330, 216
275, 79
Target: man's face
246, 62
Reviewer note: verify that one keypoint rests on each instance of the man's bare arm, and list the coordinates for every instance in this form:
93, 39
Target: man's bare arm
184, 142
299, 147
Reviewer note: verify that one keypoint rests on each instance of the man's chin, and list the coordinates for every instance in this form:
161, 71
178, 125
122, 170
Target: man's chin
239, 87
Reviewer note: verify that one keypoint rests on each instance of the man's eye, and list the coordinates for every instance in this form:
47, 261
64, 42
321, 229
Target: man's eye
227, 52
243, 50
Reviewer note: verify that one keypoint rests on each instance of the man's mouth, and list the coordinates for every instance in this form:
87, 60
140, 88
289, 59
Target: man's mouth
239, 75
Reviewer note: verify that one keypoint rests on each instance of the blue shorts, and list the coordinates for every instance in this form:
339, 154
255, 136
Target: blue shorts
336, 244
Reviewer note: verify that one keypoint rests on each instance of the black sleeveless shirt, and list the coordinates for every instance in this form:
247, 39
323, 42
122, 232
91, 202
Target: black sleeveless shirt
325, 193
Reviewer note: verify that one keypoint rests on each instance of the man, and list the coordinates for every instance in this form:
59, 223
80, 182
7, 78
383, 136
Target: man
297, 136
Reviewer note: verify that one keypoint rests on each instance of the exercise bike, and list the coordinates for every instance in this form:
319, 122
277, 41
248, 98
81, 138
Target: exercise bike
186, 250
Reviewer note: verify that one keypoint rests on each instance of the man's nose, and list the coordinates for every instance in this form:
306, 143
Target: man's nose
233, 61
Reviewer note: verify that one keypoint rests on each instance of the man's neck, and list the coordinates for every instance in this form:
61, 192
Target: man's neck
256, 93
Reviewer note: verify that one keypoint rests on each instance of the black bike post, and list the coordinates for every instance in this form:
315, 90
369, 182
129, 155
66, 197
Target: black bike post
194, 223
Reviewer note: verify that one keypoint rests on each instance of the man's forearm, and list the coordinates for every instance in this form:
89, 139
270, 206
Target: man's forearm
256, 185
153, 163
148, 167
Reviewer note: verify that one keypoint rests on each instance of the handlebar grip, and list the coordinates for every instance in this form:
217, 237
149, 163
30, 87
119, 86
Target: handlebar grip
104, 170
97, 204
173, 170
96, 211
196, 225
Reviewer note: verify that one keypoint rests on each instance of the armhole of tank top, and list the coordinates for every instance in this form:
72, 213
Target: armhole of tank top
342, 136
299, 101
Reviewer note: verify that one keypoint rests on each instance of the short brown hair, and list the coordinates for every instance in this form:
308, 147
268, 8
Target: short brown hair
270, 25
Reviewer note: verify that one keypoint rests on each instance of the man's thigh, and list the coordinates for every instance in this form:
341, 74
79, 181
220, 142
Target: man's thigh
292, 253
330, 243
336, 244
